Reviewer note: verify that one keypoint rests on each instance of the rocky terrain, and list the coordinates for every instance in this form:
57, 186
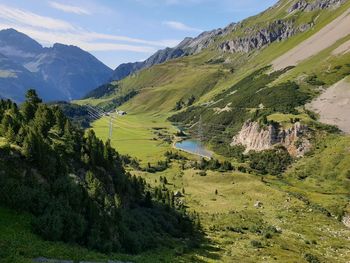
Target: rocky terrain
333, 105
319, 4
326, 37
257, 138
254, 39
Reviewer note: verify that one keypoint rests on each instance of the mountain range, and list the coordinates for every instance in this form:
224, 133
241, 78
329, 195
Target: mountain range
59, 72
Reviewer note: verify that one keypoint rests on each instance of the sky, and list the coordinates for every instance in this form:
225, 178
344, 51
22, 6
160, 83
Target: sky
120, 31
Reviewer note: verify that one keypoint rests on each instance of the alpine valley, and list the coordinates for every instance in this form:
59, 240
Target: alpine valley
232, 146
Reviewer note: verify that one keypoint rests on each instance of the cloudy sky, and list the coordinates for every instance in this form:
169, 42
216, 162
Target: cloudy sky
118, 31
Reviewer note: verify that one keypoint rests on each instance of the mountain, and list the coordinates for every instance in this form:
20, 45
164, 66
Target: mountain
254, 37
273, 63
60, 72
15, 79
188, 46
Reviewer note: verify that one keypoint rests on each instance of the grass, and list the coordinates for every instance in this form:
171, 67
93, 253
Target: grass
142, 136
231, 221
285, 119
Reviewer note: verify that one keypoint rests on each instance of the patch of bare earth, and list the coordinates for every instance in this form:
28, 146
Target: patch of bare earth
326, 37
333, 105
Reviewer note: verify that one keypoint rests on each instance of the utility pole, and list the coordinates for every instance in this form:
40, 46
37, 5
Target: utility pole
200, 135
110, 128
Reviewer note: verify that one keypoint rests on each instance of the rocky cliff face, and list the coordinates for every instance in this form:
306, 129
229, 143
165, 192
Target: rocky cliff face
278, 30
255, 138
303, 5
255, 39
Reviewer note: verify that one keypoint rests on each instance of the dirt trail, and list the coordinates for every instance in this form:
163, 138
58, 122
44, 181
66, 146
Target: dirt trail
334, 105
326, 37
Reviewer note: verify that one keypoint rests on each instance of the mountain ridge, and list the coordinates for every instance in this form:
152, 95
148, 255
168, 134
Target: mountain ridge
61, 72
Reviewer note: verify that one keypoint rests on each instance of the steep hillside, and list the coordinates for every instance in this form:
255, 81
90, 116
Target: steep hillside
59, 73
76, 187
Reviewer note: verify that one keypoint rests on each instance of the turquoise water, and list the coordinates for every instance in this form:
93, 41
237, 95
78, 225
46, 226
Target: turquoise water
194, 147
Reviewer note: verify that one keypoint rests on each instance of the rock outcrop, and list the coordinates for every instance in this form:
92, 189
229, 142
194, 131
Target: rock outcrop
258, 38
303, 5
256, 138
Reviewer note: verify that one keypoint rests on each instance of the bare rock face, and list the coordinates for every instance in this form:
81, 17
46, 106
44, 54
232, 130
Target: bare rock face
255, 138
255, 39
303, 5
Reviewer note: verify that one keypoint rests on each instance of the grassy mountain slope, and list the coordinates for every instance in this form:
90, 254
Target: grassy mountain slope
179, 75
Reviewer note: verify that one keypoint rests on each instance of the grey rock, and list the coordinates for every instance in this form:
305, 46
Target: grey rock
258, 38
303, 5
258, 204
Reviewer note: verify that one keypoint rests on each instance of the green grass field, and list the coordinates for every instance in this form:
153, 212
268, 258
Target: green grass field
141, 136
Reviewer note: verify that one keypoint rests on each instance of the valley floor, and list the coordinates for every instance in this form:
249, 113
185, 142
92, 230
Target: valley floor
250, 219
245, 218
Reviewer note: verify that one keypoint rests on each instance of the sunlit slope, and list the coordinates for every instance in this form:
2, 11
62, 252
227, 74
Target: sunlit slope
210, 72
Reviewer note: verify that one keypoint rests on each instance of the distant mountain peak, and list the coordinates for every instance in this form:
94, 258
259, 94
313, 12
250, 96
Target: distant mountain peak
14, 38
60, 72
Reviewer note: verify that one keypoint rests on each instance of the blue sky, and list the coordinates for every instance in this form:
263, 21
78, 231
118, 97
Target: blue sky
122, 30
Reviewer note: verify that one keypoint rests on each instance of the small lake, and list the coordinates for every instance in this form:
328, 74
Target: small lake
194, 147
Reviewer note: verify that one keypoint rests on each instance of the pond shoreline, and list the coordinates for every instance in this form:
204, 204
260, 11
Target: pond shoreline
178, 140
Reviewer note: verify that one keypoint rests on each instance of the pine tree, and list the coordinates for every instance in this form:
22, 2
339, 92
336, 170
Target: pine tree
29, 146
30, 106
10, 134
60, 120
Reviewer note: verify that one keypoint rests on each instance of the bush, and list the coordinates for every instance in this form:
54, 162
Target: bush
272, 162
311, 258
256, 244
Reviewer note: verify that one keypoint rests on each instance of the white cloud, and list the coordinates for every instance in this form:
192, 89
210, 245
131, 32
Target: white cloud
49, 30
181, 26
70, 8
28, 18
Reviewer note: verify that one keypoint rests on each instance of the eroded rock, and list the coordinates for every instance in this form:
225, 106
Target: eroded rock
256, 138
